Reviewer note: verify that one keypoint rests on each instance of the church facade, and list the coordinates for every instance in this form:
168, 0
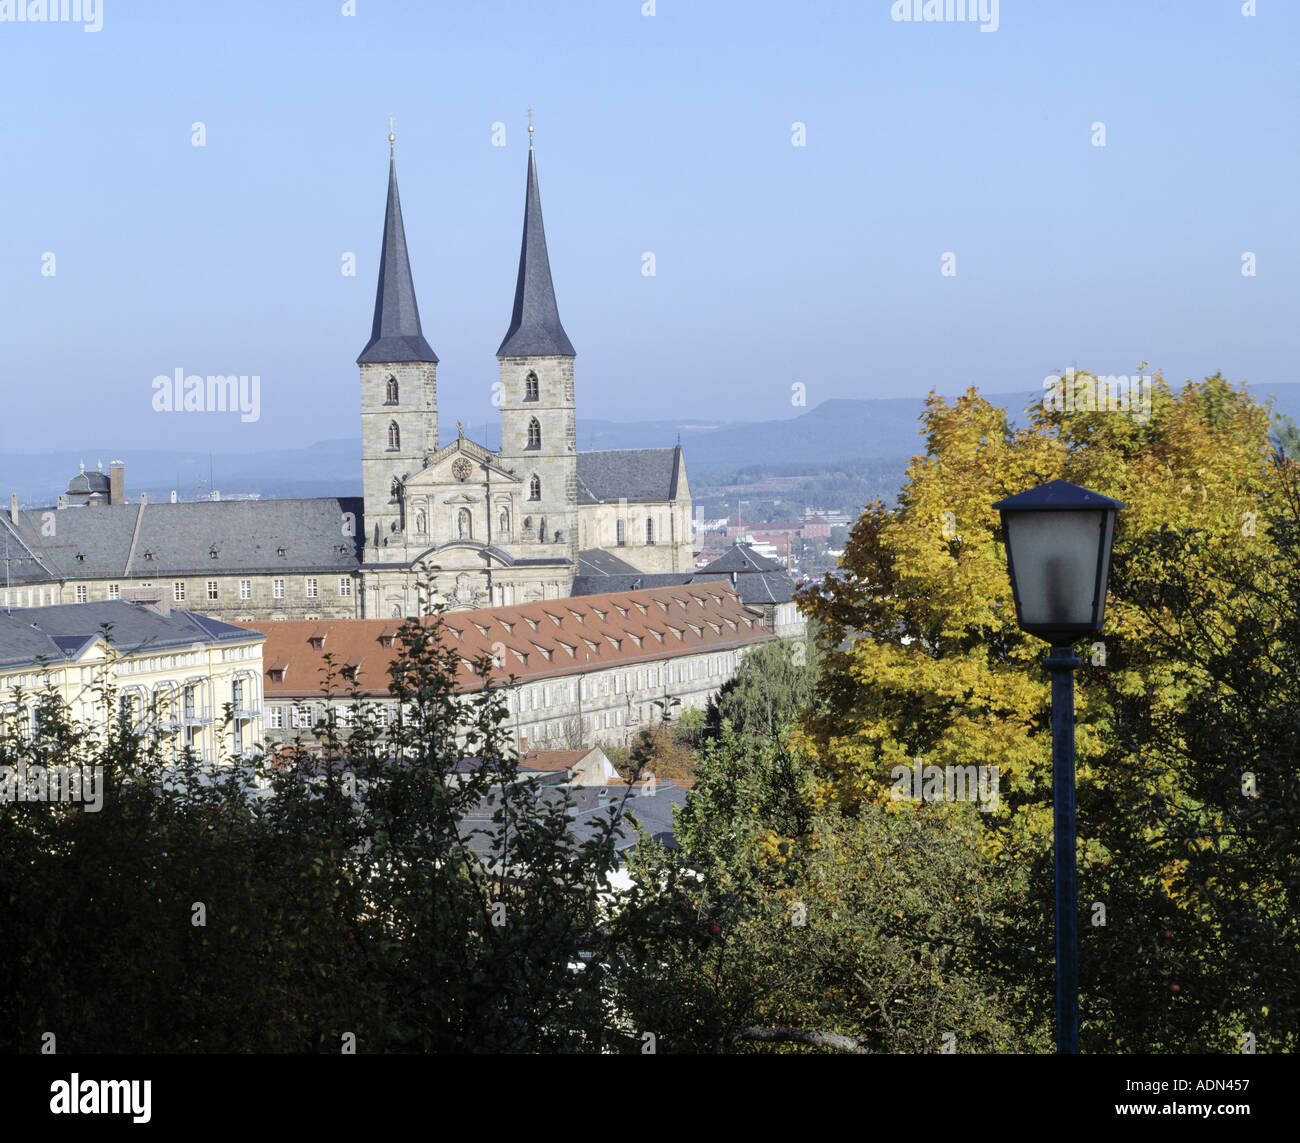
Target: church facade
477, 527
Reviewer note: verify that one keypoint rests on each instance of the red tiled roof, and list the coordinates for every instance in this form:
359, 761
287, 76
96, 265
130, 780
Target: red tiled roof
536, 641
551, 759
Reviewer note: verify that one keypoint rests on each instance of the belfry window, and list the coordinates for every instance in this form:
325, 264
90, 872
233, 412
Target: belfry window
535, 488
394, 437
649, 530
390, 397
530, 387
534, 433
622, 534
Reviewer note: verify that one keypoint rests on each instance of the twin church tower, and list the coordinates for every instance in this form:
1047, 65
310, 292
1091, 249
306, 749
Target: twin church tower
492, 528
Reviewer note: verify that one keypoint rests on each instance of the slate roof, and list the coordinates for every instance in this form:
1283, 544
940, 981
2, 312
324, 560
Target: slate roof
87, 482
179, 539
535, 328
637, 474
548, 639
740, 558
756, 579
754, 588
62, 633
395, 333
590, 808
597, 561
597, 583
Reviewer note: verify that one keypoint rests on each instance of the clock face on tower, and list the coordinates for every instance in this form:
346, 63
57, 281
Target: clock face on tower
461, 469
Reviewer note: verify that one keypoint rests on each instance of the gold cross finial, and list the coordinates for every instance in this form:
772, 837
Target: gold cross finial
391, 137
530, 125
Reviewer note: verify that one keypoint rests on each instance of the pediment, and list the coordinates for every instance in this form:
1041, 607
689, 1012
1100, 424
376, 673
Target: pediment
461, 464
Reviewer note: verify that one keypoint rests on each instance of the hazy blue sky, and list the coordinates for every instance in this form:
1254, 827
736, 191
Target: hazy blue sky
670, 134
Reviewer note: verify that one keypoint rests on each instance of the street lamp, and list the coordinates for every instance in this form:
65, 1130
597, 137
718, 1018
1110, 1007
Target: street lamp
1059, 539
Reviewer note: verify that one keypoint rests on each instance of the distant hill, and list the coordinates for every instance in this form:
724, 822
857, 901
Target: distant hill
834, 430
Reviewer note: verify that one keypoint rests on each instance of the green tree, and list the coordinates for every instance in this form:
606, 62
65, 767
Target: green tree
370, 889
774, 681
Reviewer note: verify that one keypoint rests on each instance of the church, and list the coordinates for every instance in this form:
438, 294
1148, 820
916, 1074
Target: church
505, 527
481, 527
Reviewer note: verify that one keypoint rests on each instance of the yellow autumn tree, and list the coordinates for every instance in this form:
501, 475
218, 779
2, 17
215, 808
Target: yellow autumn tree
924, 661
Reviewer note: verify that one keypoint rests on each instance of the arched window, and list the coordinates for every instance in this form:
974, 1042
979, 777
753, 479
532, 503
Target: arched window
535, 488
530, 387
622, 534
534, 433
464, 524
394, 436
390, 398
541, 530
649, 530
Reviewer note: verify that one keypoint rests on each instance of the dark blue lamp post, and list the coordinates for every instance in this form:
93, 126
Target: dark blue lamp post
1058, 539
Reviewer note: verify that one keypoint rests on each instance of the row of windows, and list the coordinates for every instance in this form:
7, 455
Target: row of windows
530, 390
649, 532
534, 435
544, 695
311, 586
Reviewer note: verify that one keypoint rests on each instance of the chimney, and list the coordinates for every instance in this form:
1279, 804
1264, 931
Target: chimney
63, 501
13, 507
174, 496
144, 499
116, 482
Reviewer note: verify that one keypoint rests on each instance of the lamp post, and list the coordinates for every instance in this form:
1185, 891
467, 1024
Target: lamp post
1058, 539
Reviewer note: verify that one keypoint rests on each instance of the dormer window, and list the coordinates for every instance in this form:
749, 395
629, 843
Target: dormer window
282, 552
317, 642
530, 387
276, 674
212, 553
390, 393
386, 640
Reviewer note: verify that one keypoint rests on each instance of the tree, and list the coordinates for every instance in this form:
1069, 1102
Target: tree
377, 892
785, 927
774, 681
923, 658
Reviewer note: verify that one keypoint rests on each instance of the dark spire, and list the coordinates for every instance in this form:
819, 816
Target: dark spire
535, 329
395, 334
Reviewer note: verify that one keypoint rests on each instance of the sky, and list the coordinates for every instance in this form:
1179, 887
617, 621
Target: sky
926, 146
